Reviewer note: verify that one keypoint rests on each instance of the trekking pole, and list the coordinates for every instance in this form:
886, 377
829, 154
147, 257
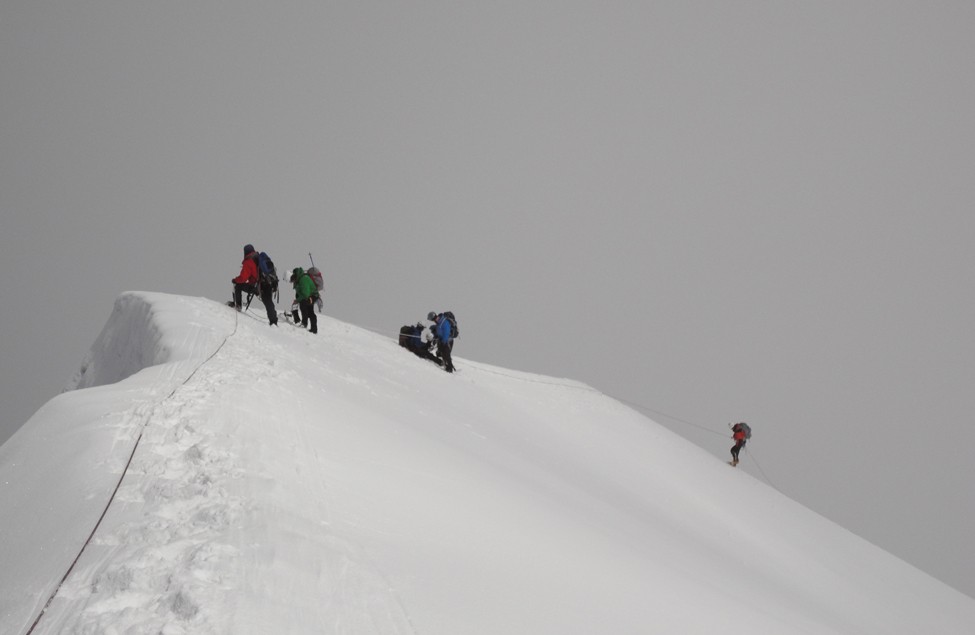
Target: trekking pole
312, 259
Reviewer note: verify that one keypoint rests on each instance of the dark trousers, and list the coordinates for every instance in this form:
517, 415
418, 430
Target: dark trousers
308, 314
443, 352
736, 448
426, 354
241, 288
267, 297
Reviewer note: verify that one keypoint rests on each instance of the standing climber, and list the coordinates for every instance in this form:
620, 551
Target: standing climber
305, 295
267, 285
444, 330
248, 281
741, 432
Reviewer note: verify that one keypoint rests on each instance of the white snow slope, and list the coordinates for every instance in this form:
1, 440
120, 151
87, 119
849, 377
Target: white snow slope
290, 483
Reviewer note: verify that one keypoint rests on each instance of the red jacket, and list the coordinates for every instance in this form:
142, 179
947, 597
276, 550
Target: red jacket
739, 435
248, 270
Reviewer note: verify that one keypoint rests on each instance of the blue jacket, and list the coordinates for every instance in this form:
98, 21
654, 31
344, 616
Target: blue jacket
442, 329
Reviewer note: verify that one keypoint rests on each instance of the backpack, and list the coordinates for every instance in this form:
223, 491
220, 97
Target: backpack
454, 331
405, 335
409, 337
267, 275
744, 427
316, 277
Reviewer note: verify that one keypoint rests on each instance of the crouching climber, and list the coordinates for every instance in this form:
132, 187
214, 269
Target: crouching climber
412, 339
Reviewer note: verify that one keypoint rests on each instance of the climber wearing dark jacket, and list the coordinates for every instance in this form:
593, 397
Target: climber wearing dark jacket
444, 335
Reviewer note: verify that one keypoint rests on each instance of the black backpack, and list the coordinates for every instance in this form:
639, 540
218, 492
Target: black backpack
411, 337
405, 335
454, 331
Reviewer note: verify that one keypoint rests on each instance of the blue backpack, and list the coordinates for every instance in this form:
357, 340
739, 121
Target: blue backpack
267, 275
454, 331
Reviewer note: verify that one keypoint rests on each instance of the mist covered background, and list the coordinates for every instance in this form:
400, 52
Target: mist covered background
758, 212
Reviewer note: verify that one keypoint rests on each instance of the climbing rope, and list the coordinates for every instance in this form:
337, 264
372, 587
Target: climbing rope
584, 387
125, 470
672, 417
759, 466
640, 407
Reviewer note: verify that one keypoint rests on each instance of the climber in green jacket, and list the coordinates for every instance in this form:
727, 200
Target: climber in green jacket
305, 295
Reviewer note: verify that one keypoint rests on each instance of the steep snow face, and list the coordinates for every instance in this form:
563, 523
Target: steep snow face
143, 332
334, 483
58, 474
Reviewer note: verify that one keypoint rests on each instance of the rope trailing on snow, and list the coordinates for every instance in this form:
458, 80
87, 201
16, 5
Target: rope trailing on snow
583, 387
575, 386
125, 471
642, 407
764, 475
672, 417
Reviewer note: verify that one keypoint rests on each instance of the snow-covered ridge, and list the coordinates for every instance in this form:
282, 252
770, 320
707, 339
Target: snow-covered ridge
147, 329
290, 483
58, 472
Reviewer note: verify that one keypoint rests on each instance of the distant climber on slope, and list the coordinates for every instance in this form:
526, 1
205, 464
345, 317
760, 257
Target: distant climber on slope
741, 432
248, 281
305, 295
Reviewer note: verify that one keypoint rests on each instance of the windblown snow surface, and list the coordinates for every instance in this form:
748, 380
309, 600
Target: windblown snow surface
283, 482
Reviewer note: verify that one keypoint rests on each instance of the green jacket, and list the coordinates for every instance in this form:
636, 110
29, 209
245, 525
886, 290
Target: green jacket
304, 286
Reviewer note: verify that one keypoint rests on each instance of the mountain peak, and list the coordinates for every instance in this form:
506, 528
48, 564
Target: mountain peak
213, 474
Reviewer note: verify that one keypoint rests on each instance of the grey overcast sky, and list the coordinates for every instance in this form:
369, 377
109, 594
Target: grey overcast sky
721, 211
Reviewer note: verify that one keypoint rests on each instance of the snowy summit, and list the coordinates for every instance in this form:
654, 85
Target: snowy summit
212, 474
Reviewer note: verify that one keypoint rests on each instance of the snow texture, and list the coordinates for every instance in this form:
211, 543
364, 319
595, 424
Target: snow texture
284, 482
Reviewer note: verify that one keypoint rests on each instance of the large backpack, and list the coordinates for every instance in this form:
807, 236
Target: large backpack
316, 277
454, 331
410, 336
405, 335
744, 427
267, 275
